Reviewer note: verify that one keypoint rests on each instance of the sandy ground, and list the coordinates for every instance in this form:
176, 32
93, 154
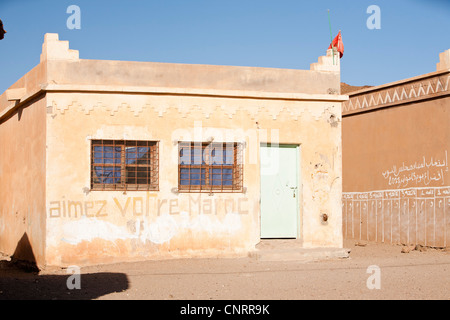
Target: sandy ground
406, 276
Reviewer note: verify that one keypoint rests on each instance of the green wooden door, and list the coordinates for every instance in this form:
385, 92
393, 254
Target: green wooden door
279, 191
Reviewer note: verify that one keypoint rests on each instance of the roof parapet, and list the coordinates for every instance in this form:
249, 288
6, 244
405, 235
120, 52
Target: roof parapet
444, 61
54, 49
327, 63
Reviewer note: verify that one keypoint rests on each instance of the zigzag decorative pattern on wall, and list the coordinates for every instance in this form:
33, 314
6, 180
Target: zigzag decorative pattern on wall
185, 109
399, 93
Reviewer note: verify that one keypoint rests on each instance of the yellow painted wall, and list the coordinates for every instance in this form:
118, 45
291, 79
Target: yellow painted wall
103, 226
22, 183
45, 157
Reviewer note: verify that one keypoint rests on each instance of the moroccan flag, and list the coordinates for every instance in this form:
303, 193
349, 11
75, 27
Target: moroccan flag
338, 44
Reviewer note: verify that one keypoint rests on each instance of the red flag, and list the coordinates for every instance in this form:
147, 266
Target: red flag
338, 44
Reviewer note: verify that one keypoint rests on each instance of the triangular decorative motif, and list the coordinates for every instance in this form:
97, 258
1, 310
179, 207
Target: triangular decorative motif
395, 97
136, 110
345, 106
230, 111
412, 92
89, 107
439, 85
387, 98
275, 111
372, 101
349, 105
446, 84
113, 110
430, 88
380, 99
421, 91
206, 111
364, 103
160, 108
404, 95
183, 108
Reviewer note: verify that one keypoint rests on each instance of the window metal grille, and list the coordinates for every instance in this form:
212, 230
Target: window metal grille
124, 165
210, 167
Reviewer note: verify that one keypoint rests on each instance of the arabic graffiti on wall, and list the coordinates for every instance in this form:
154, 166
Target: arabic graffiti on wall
421, 173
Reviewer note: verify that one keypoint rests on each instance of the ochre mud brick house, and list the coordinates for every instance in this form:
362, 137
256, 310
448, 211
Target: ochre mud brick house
396, 152
107, 161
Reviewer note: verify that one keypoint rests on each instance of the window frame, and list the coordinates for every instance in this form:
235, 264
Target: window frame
152, 167
237, 169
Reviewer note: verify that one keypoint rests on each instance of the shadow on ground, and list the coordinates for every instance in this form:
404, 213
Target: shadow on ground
17, 284
21, 279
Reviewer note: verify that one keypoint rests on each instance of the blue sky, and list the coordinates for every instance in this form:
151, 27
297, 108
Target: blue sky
261, 33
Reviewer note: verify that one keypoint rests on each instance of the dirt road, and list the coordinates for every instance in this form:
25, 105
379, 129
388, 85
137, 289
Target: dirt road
389, 273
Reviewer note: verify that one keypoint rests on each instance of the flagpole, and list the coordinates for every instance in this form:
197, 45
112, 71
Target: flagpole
331, 34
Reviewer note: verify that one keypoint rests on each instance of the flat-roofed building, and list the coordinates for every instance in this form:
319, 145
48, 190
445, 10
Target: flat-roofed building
107, 161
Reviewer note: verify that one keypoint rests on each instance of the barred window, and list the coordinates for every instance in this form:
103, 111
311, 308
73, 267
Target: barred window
210, 167
124, 165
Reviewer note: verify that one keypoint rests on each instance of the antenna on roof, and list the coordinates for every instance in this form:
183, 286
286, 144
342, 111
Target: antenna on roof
331, 34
